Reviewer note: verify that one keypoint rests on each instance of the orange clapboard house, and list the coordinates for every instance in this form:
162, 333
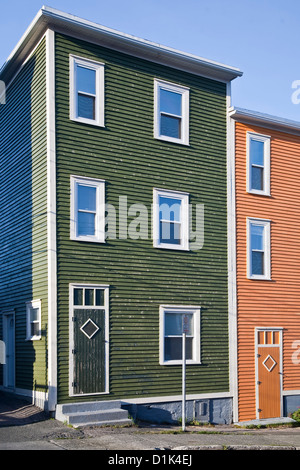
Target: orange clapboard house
265, 217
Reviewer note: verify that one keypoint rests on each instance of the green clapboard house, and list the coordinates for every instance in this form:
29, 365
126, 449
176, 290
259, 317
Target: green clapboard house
113, 225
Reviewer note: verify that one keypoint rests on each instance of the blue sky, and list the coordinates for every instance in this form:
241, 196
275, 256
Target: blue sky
260, 37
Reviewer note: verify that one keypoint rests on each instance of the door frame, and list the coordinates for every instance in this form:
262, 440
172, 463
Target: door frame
105, 287
280, 331
5, 317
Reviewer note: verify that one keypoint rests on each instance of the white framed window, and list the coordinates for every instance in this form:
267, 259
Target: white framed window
258, 164
170, 219
258, 249
33, 320
87, 209
86, 91
172, 319
171, 112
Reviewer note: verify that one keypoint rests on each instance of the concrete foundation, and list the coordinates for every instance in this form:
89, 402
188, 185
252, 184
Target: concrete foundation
214, 411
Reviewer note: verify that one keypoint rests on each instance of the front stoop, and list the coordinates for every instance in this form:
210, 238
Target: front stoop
95, 413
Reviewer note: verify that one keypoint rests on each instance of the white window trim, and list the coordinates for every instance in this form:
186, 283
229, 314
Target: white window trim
99, 98
184, 92
267, 248
99, 184
29, 306
195, 310
267, 165
104, 307
184, 198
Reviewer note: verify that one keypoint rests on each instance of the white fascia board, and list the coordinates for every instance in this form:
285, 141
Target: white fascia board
265, 120
98, 34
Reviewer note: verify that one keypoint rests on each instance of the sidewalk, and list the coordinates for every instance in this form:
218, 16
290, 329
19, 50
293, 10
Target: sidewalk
23, 426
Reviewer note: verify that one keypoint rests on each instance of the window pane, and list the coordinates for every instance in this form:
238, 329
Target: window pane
34, 314
173, 324
276, 337
78, 296
269, 337
170, 232
174, 321
86, 80
86, 223
86, 106
256, 152
257, 262
89, 297
86, 198
169, 209
173, 348
170, 126
257, 178
35, 329
99, 297
257, 233
261, 337
170, 102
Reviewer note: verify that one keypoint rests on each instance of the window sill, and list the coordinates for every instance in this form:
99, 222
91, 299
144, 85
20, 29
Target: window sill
259, 278
171, 247
88, 240
259, 193
172, 140
91, 122
179, 363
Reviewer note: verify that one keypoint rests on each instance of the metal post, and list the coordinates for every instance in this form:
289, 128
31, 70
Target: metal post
183, 381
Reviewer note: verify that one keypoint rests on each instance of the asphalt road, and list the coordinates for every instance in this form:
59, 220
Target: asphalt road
25, 427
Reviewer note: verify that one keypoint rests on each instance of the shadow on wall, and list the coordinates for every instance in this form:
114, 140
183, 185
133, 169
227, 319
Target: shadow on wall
215, 411
22, 129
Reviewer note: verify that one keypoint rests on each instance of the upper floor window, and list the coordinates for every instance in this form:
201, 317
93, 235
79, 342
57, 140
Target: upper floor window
258, 256
170, 219
258, 158
171, 113
87, 209
86, 91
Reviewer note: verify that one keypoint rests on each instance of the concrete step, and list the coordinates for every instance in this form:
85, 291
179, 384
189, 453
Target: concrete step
92, 413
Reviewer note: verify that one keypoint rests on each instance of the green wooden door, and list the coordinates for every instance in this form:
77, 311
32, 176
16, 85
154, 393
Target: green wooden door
89, 351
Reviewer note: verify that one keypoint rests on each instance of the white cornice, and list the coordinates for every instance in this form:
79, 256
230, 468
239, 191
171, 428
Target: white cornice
265, 120
49, 18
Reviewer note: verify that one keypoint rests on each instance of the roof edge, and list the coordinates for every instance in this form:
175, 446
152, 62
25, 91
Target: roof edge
48, 17
264, 120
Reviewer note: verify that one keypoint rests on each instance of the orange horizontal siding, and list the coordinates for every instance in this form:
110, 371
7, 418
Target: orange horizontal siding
274, 303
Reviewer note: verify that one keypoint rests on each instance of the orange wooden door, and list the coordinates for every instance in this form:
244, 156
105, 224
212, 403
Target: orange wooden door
269, 381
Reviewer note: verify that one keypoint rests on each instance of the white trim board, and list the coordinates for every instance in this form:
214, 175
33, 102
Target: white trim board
51, 222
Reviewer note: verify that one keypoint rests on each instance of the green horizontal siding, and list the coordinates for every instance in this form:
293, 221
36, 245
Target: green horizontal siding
141, 278
23, 228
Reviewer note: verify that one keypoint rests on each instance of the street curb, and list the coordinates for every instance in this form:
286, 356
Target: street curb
235, 447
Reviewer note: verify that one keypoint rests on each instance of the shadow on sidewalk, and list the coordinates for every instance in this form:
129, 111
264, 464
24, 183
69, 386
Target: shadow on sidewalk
17, 411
